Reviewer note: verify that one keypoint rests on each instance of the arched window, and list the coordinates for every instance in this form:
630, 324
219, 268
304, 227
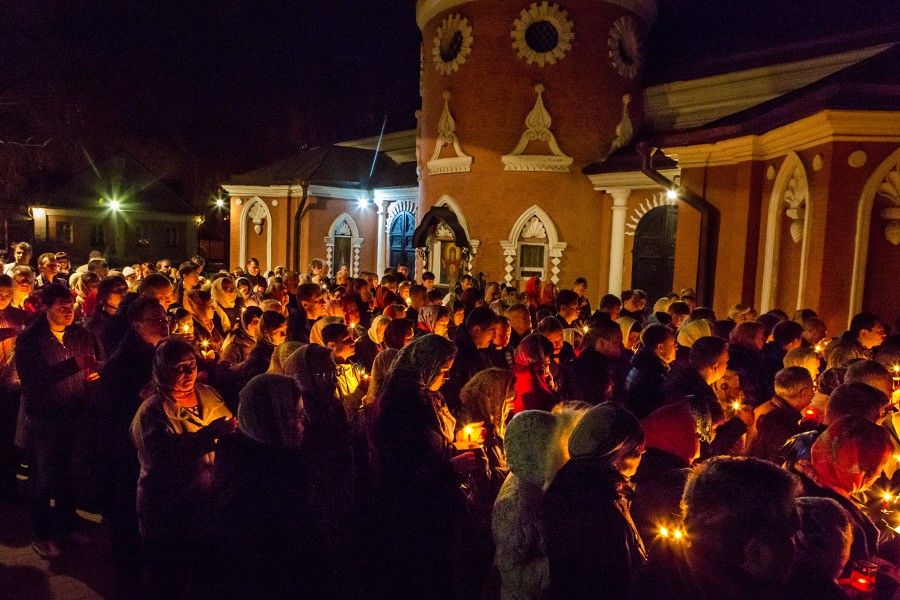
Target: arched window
401, 240
533, 247
342, 245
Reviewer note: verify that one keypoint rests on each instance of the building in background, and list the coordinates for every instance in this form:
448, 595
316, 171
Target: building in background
117, 208
624, 142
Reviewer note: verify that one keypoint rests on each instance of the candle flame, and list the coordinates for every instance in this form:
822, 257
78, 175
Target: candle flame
736, 405
585, 329
664, 532
887, 497
896, 369
468, 430
678, 534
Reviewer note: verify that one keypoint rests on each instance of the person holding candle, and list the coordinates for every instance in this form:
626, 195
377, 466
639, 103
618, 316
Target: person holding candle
845, 460
823, 548
782, 417
175, 432
746, 555
592, 543
418, 504
208, 338
225, 300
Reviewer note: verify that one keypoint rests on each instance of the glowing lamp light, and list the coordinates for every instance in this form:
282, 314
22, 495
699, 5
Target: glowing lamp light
38, 213
199, 220
672, 194
115, 205
220, 203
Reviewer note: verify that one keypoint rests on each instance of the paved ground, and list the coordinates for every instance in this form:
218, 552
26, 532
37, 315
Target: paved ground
79, 574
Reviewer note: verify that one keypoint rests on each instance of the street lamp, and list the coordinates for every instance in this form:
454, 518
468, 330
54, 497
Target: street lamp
220, 203
114, 205
672, 195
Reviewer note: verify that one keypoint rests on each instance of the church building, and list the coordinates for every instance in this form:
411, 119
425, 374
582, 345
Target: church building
624, 142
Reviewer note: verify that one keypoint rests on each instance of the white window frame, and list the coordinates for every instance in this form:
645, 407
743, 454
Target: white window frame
531, 270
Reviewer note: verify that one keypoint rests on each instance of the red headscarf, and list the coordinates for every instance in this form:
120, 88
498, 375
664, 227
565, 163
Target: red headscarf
533, 291
673, 429
849, 454
548, 295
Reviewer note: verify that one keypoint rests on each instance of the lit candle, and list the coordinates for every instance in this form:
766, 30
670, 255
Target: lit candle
896, 377
409, 301
735, 406
585, 329
886, 498
468, 432
205, 343
186, 328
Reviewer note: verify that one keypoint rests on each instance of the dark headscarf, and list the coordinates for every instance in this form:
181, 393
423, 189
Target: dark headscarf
484, 397
269, 411
168, 353
604, 432
423, 359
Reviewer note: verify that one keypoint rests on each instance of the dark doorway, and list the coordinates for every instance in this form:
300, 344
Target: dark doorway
402, 250
653, 256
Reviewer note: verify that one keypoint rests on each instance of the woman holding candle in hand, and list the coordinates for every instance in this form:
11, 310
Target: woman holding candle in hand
419, 504
199, 304
175, 433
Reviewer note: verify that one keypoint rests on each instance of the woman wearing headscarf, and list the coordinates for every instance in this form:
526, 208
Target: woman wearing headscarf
264, 537
631, 334
845, 460
208, 338
592, 543
419, 505
84, 290
384, 297
433, 319
518, 533
398, 334
672, 446
689, 333
352, 317
315, 334
487, 398
368, 346
225, 302
241, 340
327, 446
270, 334
378, 374
280, 356
533, 294
532, 371
175, 432
547, 301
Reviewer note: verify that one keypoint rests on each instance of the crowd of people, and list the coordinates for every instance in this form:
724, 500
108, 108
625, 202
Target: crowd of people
296, 435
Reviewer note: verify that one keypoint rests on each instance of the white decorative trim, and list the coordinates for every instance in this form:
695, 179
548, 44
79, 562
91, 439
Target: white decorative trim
343, 226
446, 32
655, 201
535, 14
624, 38
258, 213
395, 194
821, 128
863, 222
262, 191
399, 207
633, 180
890, 190
327, 191
447, 137
791, 182
695, 102
511, 245
537, 125
245, 213
624, 129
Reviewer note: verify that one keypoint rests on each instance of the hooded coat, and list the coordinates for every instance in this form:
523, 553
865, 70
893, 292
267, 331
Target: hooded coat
592, 543
521, 549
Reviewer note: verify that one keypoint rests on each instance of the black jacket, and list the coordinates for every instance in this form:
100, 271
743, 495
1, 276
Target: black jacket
298, 327
773, 429
265, 530
644, 384
365, 351
53, 386
469, 361
658, 486
593, 377
592, 544
748, 364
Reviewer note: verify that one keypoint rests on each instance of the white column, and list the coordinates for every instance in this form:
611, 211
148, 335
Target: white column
617, 239
379, 261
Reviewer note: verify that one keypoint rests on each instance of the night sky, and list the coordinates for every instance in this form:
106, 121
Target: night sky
197, 89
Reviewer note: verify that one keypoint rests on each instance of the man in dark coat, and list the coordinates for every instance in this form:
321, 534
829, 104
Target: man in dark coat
786, 336
311, 298
122, 379
56, 362
781, 418
471, 339
649, 370
748, 555
601, 368
154, 285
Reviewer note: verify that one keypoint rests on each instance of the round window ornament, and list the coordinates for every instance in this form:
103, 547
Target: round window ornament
857, 159
625, 47
543, 34
452, 44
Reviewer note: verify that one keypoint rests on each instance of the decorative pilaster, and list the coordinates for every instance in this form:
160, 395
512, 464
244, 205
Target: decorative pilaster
329, 254
509, 255
617, 239
380, 258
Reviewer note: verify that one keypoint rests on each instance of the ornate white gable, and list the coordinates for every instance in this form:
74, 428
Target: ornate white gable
447, 137
537, 128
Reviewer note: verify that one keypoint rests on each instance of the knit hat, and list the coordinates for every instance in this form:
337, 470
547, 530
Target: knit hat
673, 429
604, 430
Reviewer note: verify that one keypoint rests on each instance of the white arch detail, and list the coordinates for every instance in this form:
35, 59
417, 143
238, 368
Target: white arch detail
772, 248
863, 231
245, 213
511, 245
355, 239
